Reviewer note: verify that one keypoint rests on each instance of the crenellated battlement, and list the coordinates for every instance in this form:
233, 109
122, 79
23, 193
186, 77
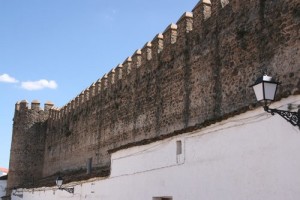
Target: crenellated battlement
201, 12
170, 35
119, 72
111, 77
184, 25
146, 52
104, 82
157, 45
35, 106
150, 50
127, 66
147, 57
174, 32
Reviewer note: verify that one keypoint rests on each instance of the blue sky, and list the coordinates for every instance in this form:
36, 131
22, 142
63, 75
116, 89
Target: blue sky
54, 49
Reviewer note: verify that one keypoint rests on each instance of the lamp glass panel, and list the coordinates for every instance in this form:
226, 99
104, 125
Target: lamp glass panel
258, 89
59, 182
270, 90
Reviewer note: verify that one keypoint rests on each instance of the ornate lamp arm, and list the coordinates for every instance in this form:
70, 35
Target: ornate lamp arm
70, 190
292, 117
18, 195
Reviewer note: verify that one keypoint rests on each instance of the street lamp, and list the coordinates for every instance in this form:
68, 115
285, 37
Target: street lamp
265, 89
59, 182
15, 192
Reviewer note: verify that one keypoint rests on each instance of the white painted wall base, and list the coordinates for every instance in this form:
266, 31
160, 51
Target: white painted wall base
3, 184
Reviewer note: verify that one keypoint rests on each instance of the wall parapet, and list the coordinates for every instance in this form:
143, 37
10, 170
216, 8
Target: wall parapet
35, 105
186, 23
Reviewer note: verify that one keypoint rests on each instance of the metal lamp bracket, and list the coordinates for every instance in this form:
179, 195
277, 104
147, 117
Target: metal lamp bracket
70, 190
292, 117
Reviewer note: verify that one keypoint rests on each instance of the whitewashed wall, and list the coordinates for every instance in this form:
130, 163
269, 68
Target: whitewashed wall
3, 184
253, 156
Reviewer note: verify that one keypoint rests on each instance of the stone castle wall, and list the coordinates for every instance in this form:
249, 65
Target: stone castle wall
196, 72
28, 143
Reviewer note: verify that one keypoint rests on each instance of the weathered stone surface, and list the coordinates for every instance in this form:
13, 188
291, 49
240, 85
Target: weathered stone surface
28, 145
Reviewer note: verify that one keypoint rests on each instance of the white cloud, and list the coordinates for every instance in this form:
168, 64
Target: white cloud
38, 85
7, 79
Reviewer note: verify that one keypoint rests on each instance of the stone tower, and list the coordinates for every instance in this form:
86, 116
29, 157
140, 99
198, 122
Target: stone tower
28, 143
